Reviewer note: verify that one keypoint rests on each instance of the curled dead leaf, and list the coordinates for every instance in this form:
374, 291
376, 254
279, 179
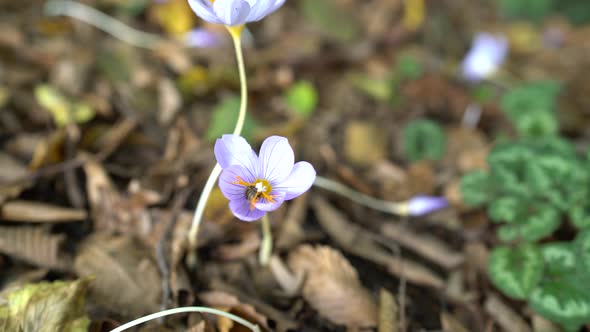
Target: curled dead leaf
34, 245
333, 287
127, 282
28, 211
231, 303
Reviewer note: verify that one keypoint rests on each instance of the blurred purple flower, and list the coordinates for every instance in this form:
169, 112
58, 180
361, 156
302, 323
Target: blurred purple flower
421, 205
256, 185
234, 12
202, 38
487, 53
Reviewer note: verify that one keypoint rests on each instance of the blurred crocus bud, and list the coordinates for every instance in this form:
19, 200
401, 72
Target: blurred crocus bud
487, 53
202, 38
421, 205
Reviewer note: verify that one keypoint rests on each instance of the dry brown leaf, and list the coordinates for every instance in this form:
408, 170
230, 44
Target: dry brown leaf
230, 303
113, 211
27, 211
333, 287
363, 243
507, 318
388, 320
34, 245
126, 280
427, 246
365, 143
249, 243
451, 324
541, 324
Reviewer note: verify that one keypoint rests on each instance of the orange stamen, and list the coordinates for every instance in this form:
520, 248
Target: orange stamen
261, 194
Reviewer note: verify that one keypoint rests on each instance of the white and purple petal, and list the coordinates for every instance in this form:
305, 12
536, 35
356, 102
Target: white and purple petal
242, 210
278, 199
232, 12
299, 181
276, 159
421, 205
204, 11
234, 150
227, 179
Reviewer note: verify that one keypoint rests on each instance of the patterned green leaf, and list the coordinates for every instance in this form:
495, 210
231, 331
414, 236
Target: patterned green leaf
516, 271
475, 188
564, 300
560, 257
423, 139
541, 222
505, 209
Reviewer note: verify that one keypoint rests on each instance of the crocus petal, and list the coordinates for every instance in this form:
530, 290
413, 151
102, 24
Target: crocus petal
241, 209
232, 12
299, 181
276, 159
421, 205
487, 53
234, 150
279, 198
260, 9
227, 178
204, 11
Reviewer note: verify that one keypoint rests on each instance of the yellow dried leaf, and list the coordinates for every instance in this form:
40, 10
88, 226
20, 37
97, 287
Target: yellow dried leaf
333, 287
45, 307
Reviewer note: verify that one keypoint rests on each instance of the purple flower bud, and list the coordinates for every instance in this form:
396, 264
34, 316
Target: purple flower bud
202, 38
255, 184
421, 205
486, 55
234, 12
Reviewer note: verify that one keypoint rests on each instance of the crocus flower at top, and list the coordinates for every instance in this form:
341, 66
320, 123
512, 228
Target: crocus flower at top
255, 184
234, 12
487, 53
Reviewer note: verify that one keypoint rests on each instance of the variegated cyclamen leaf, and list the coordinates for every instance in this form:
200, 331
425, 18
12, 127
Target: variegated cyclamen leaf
542, 223
564, 300
560, 257
475, 188
516, 270
505, 209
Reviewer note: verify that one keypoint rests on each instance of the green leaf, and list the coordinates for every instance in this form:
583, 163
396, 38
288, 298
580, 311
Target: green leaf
378, 88
505, 209
516, 271
531, 107
475, 188
408, 68
45, 307
564, 299
582, 243
423, 140
224, 118
541, 221
63, 110
560, 257
534, 10
302, 98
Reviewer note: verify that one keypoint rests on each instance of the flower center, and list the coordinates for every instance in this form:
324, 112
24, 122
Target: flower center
259, 189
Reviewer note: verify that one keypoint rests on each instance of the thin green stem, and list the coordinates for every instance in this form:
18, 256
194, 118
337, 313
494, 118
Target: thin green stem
240, 320
235, 33
266, 244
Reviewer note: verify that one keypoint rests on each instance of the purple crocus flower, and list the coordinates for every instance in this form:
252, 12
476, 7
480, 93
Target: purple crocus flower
255, 184
421, 205
487, 53
234, 12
